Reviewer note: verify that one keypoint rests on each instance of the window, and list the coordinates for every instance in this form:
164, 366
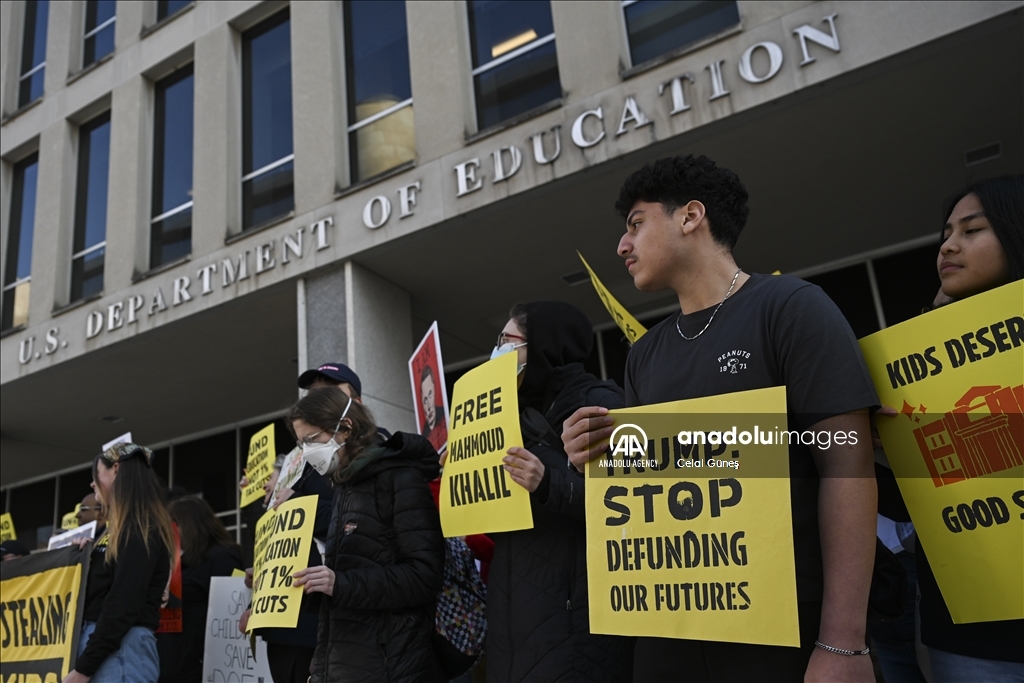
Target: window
165, 8
33, 52
515, 68
90, 238
171, 223
18, 269
381, 134
267, 158
31, 507
99, 30
656, 27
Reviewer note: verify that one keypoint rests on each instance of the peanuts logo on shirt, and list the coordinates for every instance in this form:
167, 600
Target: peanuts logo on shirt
733, 361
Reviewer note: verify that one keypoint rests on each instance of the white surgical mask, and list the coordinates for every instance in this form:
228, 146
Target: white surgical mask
508, 348
321, 455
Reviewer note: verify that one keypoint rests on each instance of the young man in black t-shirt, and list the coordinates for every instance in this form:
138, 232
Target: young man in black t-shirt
738, 332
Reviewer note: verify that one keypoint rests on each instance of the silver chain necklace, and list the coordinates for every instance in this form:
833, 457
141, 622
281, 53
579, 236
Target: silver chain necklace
727, 294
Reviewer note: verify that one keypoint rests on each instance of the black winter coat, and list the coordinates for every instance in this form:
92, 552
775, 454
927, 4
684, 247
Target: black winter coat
386, 549
538, 619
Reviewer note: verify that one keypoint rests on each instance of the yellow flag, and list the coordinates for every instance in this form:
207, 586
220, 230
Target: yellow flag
956, 376
689, 524
260, 464
477, 495
283, 541
623, 318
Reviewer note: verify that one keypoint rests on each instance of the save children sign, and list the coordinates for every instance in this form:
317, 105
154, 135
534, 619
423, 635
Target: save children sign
956, 377
689, 524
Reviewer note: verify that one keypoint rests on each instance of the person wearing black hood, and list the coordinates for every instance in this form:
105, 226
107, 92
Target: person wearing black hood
538, 621
385, 553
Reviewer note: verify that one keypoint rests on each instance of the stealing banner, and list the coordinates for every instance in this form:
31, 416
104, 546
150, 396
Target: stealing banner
259, 465
227, 655
477, 495
623, 318
689, 525
956, 376
283, 539
40, 614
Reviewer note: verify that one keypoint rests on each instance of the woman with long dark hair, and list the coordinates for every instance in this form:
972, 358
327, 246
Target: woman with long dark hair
129, 569
207, 550
385, 553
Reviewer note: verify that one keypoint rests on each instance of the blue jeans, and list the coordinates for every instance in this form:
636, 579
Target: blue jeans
950, 668
136, 661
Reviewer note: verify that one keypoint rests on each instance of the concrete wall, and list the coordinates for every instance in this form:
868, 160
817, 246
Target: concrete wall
329, 215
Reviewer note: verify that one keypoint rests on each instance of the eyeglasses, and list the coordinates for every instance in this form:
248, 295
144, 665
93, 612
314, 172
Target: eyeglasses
505, 338
311, 439
87, 508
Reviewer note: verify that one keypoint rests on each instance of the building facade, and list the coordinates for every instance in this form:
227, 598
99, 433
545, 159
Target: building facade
202, 199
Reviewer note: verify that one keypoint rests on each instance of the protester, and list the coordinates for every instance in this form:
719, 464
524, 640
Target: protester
90, 510
12, 550
981, 248
207, 550
385, 552
128, 571
538, 617
290, 650
683, 217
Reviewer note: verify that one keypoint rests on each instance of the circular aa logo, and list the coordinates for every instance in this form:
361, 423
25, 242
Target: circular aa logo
629, 441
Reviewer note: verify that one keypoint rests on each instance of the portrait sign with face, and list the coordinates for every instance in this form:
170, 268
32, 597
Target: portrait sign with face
429, 396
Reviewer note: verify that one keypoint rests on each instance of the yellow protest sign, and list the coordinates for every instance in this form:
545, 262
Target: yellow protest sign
623, 318
259, 465
283, 540
689, 525
956, 376
40, 615
7, 532
70, 520
477, 495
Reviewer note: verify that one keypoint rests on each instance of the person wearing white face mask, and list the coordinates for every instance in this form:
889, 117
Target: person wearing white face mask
538, 624
385, 553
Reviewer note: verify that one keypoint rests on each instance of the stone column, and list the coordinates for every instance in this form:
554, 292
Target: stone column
351, 315
127, 193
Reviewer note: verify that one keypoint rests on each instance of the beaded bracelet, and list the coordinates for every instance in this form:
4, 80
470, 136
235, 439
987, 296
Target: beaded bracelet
839, 650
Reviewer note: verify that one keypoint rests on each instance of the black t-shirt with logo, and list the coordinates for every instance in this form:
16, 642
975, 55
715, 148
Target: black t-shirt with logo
773, 331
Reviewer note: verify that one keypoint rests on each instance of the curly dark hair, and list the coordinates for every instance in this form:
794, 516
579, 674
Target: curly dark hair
674, 181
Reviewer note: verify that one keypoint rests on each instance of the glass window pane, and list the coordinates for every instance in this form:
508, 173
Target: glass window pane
659, 26
74, 486
165, 8
516, 86
162, 464
87, 275
16, 305
23, 215
207, 466
500, 26
91, 198
101, 43
33, 50
383, 144
850, 289
171, 239
32, 512
268, 196
907, 282
377, 55
267, 93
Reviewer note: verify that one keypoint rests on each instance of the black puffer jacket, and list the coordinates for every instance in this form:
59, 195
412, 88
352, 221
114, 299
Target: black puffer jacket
386, 548
538, 620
